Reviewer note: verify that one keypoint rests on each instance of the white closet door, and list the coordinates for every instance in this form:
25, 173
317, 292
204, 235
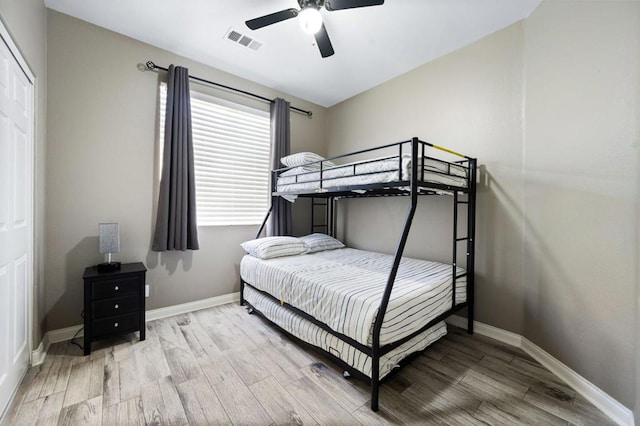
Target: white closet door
16, 204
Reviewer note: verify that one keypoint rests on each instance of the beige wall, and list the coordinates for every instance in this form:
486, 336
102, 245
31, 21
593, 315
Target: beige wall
550, 106
469, 101
102, 145
581, 187
26, 21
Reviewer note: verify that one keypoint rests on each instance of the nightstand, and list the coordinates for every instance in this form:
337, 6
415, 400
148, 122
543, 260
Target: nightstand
114, 302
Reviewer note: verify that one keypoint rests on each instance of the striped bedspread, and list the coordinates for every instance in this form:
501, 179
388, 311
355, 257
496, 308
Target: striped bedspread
311, 333
343, 289
383, 170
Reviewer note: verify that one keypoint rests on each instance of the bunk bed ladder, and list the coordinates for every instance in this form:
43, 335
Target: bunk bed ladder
471, 234
454, 262
470, 203
326, 220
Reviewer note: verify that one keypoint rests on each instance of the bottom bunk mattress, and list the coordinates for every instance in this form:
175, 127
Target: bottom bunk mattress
308, 332
343, 289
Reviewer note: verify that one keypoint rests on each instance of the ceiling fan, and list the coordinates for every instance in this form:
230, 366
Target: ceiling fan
311, 19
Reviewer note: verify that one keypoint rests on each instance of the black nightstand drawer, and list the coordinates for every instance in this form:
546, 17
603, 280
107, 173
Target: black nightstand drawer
116, 324
114, 302
114, 287
115, 306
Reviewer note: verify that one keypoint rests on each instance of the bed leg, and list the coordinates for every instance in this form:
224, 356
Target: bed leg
375, 368
470, 320
374, 395
241, 292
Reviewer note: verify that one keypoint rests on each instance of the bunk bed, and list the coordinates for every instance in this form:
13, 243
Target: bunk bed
369, 312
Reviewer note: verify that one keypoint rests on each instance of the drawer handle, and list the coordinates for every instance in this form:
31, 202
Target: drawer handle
115, 325
116, 288
116, 306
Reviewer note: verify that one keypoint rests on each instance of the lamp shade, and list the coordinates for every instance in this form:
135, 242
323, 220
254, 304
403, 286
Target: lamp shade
109, 238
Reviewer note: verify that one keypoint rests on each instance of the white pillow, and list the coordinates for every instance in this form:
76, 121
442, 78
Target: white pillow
269, 247
320, 242
303, 159
299, 171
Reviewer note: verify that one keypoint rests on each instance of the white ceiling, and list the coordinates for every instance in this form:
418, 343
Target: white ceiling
372, 44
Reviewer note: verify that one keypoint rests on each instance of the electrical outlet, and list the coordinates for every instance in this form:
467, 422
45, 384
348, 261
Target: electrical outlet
146, 290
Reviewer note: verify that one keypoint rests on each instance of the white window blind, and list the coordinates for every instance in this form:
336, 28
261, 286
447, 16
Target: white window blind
231, 145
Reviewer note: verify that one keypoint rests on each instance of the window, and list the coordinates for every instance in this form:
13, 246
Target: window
231, 145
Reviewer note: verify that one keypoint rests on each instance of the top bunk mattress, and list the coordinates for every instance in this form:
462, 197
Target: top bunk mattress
380, 170
343, 288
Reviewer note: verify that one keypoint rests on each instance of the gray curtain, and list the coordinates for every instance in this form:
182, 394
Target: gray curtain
176, 227
280, 222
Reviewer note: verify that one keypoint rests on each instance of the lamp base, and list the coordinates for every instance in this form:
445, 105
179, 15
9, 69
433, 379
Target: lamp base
108, 266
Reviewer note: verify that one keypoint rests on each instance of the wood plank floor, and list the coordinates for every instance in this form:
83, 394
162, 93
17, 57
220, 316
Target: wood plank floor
224, 366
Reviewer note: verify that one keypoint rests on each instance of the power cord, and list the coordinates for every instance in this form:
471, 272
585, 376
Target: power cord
78, 332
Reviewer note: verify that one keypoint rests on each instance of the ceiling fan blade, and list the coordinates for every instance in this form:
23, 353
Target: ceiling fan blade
350, 4
272, 18
324, 44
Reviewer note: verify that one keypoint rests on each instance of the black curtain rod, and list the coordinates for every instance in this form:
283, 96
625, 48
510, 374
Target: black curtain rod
151, 66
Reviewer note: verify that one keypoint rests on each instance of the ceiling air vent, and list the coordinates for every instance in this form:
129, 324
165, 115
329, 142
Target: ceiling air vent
243, 40
234, 36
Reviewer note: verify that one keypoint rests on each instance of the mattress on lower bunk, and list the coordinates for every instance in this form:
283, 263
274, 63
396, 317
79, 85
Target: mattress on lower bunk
343, 288
383, 170
308, 332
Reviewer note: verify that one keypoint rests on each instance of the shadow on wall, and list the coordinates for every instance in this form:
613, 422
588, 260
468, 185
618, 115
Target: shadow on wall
498, 247
170, 260
81, 256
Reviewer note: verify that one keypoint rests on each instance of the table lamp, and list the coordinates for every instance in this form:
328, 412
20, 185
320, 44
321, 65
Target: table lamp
109, 243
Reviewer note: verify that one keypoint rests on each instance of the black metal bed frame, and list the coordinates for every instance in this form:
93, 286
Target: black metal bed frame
417, 186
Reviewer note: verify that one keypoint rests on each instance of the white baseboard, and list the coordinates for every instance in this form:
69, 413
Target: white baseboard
38, 354
184, 308
54, 336
496, 333
63, 334
612, 408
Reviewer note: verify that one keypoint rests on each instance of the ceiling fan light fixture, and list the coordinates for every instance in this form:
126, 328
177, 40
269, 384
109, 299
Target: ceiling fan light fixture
310, 20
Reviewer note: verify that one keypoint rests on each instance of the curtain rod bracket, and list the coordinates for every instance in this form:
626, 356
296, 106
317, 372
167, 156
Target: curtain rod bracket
150, 66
